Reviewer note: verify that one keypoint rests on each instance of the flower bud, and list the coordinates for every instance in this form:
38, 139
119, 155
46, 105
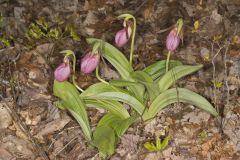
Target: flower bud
89, 62
63, 71
123, 36
173, 40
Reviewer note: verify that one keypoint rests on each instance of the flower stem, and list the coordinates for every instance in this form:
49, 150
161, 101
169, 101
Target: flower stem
126, 18
168, 58
71, 53
75, 83
98, 76
133, 39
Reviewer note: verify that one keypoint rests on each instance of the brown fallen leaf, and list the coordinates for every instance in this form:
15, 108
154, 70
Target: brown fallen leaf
53, 126
4, 154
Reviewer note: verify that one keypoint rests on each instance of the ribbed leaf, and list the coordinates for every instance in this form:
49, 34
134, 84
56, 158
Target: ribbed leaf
99, 88
122, 83
157, 69
104, 139
118, 124
153, 91
145, 79
174, 74
141, 76
178, 95
114, 107
71, 101
122, 97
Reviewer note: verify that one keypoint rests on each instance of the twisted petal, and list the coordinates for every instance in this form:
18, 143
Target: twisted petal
89, 62
123, 36
62, 72
172, 41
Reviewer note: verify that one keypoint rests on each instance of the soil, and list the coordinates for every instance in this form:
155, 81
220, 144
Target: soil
33, 128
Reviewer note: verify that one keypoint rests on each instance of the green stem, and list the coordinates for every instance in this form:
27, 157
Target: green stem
98, 76
126, 18
75, 83
71, 53
168, 57
133, 39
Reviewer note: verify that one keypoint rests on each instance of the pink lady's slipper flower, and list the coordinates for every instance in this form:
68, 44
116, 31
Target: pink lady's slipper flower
63, 71
123, 36
173, 40
89, 62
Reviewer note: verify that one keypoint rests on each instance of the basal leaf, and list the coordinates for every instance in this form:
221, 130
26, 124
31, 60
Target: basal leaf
138, 91
153, 91
119, 125
122, 97
104, 139
114, 107
178, 95
141, 76
122, 83
174, 74
99, 88
71, 101
157, 69
147, 81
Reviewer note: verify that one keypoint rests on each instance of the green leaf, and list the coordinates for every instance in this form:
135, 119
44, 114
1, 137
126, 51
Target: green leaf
114, 56
99, 88
157, 69
142, 77
164, 143
122, 83
119, 125
178, 95
104, 139
113, 107
158, 143
138, 91
150, 147
145, 79
174, 74
60, 105
71, 101
122, 97
153, 91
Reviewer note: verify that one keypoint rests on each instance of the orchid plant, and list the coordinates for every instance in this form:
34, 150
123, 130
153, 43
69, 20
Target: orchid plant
146, 91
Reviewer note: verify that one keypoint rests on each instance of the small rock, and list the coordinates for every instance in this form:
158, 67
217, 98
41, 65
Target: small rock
152, 156
196, 117
108, 73
4, 154
5, 118
205, 54
167, 152
90, 19
18, 12
216, 17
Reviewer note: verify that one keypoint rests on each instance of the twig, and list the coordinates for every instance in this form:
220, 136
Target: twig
225, 73
214, 76
65, 146
60, 133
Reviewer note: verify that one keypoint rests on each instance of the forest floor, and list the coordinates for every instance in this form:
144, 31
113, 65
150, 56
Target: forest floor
32, 127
